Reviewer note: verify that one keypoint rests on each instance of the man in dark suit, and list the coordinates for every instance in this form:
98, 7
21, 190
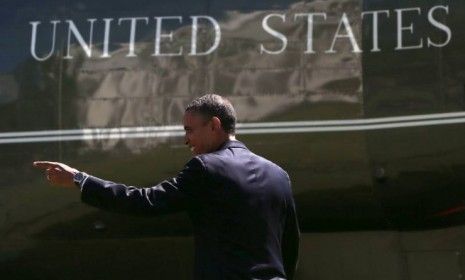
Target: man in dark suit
241, 205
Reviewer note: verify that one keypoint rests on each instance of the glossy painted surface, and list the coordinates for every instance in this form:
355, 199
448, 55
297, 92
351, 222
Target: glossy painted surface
355, 178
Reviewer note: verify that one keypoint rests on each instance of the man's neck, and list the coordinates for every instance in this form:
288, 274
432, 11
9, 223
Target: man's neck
223, 141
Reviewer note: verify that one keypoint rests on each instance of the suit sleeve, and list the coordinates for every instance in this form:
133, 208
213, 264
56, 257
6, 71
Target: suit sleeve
290, 242
168, 196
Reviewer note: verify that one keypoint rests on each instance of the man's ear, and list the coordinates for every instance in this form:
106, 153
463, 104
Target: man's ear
216, 123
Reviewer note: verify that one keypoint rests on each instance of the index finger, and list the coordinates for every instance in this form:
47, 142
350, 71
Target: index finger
45, 164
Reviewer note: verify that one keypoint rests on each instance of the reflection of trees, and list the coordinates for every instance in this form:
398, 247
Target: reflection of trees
41, 99
148, 90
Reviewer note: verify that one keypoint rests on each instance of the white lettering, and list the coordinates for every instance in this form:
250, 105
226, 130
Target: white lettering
310, 17
159, 36
407, 35
274, 33
345, 21
401, 28
216, 43
439, 25
34, 40
132, 33
375, 15
86, 47
106, 38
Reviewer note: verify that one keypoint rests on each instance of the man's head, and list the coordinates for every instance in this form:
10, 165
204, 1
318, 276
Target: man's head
209, 121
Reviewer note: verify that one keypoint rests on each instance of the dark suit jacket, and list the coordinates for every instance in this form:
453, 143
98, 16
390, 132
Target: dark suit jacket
241, 206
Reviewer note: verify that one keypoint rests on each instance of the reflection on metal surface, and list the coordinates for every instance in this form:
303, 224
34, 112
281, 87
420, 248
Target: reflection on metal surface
8, 89
99, 225
122, 91
378, 172
120, 104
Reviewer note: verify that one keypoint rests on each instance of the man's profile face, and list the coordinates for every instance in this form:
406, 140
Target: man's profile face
199, 133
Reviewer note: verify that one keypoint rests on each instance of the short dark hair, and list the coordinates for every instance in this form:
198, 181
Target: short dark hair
213, 105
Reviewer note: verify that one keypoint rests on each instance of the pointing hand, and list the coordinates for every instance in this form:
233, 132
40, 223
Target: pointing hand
57, 173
